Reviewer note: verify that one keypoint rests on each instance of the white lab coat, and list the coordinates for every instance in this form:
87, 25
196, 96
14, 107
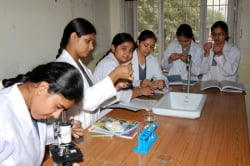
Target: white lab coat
104, 68
19, 142
227, 64
153, 69
1, 84
88, 110
178, 66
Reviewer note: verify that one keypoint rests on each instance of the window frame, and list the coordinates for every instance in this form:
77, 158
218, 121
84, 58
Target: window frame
232, 21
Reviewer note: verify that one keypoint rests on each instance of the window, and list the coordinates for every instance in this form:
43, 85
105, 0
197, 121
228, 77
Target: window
164, 16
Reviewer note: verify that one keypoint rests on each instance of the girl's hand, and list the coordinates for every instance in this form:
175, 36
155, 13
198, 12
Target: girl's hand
173, 57
183, 57
218, 50
123, 71
147, 91
145, 83
77, 130
160, 84
122, 84
207, 46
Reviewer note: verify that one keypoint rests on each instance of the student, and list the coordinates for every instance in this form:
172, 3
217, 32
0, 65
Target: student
221, 59
25, 104
175, 56
147, 70
121, 52
77, 42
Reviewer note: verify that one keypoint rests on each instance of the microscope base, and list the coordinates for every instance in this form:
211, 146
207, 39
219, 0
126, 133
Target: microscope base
66, 154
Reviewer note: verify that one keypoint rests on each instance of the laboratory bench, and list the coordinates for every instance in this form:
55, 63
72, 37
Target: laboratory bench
218, 138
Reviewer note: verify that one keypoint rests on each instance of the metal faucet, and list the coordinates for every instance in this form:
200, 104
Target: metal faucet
189, 65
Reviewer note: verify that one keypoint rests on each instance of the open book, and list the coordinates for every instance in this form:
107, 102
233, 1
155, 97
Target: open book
114, 126
177, 80
135, 104
225, 86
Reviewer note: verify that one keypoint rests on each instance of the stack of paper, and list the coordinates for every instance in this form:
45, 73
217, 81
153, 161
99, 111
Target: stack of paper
117, 127
135, 104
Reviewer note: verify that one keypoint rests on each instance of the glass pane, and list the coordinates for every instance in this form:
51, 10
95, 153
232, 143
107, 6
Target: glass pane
148, 18
177, 13
216, 10
217, 2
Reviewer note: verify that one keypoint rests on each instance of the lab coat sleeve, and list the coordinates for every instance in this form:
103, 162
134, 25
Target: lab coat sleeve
101, 73
228, 63
6, 146
156, 69
125, 95
136, 83
105, 67
204, 65
170, 49
94, 96
5, 150
197, 54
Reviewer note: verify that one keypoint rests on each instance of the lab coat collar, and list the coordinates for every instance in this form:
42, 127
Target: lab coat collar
112, 56
24, 117
66, 55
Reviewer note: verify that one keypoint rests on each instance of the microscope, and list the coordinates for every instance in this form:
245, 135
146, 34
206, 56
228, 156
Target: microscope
64, 152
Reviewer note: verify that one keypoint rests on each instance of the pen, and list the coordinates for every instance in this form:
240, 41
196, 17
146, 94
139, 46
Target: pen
104, 135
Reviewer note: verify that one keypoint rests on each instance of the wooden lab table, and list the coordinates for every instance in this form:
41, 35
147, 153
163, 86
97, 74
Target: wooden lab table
218, 138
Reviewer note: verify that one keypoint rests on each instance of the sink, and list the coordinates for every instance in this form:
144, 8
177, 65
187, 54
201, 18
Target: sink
179, 104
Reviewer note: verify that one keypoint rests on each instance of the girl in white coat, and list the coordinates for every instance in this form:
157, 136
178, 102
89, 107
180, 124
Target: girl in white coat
121, 52
77, 42
147, 70
175, 56
221, 59
42, 93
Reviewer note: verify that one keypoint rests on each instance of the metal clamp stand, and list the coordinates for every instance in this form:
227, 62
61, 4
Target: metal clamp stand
189, 64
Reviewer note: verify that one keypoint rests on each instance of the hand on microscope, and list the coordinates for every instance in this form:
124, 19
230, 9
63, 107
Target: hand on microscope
77, 130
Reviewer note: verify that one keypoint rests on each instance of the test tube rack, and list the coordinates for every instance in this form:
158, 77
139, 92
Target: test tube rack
146, 139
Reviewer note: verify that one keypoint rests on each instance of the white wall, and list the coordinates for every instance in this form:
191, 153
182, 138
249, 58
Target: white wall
31, 30
244, 68
29, 33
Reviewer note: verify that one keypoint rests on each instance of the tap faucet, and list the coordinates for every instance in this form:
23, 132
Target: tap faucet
189, 65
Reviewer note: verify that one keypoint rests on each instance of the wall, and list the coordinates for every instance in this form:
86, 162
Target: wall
29, 33
245, 52
99, 11
115, 18
31, 30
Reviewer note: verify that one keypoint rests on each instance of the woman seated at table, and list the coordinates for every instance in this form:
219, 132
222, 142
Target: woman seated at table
147, 70
26, 102
221, 58
77, 42
175, 56
121, 52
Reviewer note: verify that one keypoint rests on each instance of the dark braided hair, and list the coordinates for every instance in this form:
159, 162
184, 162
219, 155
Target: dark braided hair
80, 26
62, 78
